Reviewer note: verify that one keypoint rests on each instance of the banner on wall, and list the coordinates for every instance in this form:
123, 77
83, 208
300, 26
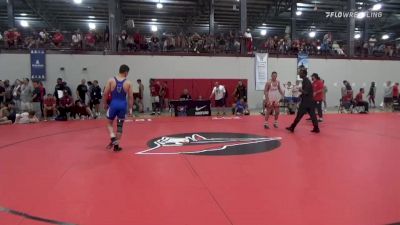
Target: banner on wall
261, 70
38, 64
302, 60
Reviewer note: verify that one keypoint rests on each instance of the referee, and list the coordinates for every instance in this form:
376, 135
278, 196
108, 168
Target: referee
307, 104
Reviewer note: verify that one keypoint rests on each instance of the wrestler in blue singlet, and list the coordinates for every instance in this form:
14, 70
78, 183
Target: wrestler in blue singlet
119, 103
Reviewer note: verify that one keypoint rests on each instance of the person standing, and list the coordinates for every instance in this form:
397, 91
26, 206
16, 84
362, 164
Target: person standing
325, 92
273, 95
81, 91
318, 91
120, 89
36, 98
95, 97
395, 92
155, 96
388, 96
26, 96
306, 104
371, 94
219, 93
2, 92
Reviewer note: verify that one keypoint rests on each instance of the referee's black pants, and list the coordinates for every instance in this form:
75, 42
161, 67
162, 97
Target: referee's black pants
302, 111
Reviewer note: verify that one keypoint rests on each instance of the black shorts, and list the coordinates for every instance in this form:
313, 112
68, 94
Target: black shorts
95, 101
220, 103
388, 100
137, 96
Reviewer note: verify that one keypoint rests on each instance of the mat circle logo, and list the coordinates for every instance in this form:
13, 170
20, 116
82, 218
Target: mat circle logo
216, 144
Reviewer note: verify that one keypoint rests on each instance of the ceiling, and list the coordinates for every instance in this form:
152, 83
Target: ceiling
193, 15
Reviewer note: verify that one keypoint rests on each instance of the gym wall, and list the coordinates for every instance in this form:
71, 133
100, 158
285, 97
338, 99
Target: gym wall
359, 72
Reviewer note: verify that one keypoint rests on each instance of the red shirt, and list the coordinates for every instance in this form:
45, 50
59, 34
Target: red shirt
49, 102
395, 91
359, 97
155, 90
318, 86
66, 100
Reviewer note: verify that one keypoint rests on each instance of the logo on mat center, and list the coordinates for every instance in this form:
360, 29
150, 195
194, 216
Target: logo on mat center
211, 144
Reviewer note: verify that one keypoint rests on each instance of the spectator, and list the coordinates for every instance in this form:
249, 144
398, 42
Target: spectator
58, 38
82, 110
82, 91
8, 91
371, 44
59, 89
155, 43
347, 95
77, 39
185, 96
137, 40
155, 96
219, 94
396, 92
388, 96
164, 96
2, 92
16, 92
288, 97
318, 91
95, 98
249, 41
65, 106
372, 94
360, 102
240, 92
36, 98
26, 117
90, 39
49, 106
26, 96
67, 88
296, 94
7, 113
42, 95
240, 108
337, 48
325, 92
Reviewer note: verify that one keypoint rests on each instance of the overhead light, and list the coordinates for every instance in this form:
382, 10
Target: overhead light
298, 13
159, 5
23, 14
77, 1
92, 26
263, 32
154, 20
318, 47
24, 23
385, 36
357, 36
238, 0
312, 34
154, 28
91, 17
360, 15
377, 7
264, 24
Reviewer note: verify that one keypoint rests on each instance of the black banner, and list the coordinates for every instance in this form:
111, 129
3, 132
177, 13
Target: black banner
192, 107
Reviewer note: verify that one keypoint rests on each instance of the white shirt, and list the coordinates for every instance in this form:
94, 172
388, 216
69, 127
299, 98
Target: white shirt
289, 91
219, 92
296, 91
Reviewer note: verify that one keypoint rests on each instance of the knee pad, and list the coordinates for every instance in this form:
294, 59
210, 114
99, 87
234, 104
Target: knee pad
120, 124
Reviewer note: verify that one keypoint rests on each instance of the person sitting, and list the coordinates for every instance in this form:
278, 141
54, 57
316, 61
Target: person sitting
26, 117
49, 106
65, 106
82, 110
7, 113
360, 102
347, 95
185, 95
241, 108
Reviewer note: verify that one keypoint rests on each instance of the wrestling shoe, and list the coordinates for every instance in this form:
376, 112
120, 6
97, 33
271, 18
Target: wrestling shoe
276, 124
266, 126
